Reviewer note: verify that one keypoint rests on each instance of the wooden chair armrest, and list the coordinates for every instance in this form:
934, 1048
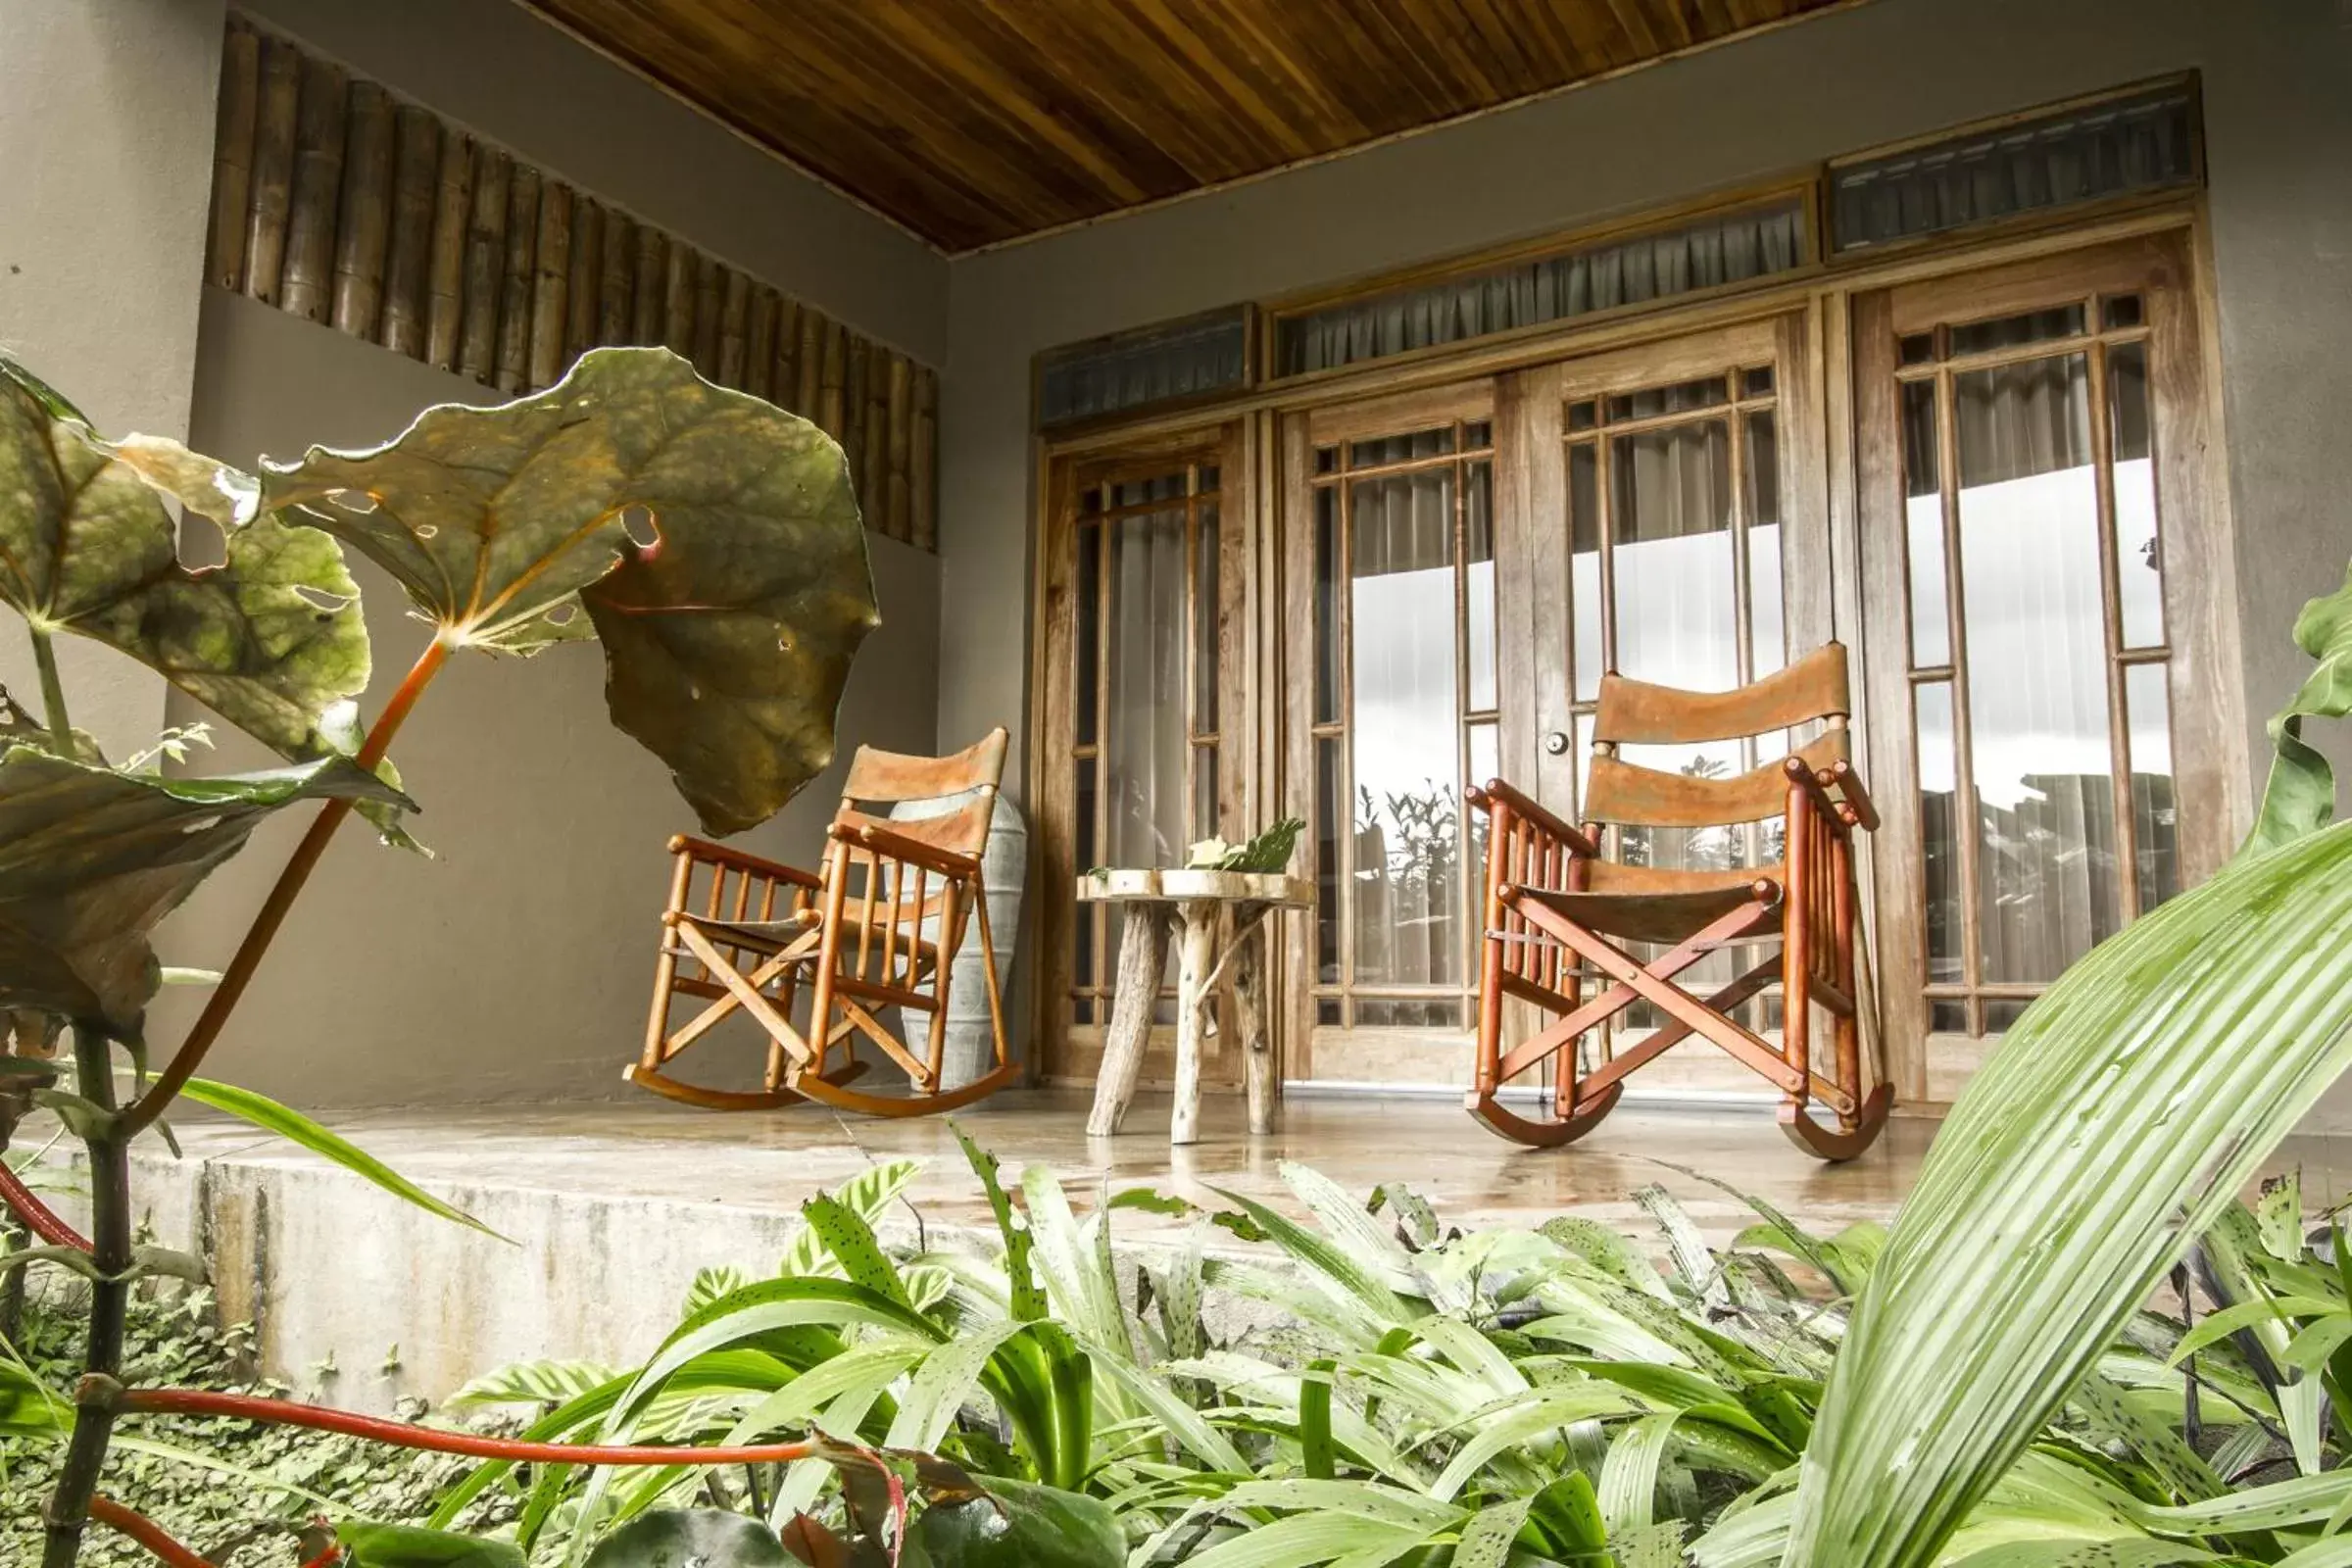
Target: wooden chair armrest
1496, 792
1841, 777
741, 860
1801, 775
899, 847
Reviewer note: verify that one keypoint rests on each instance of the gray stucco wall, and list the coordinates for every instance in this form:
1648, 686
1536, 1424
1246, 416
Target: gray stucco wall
518, 963
106, 131
2278, 83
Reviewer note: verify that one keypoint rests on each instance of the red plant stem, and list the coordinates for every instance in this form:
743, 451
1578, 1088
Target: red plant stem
251, 1407
146, 1532
264, 929
38, 1218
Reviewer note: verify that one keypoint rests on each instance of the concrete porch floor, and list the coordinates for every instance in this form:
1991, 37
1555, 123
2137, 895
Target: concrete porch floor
613, 1207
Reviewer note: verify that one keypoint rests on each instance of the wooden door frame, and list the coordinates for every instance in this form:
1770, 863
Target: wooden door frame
2213, 793
1061, 1053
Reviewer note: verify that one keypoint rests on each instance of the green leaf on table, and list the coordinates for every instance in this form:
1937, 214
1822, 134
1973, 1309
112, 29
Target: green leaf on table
371, 1545
728, 628
293, 1126
92, 860
690, 1538
269, 639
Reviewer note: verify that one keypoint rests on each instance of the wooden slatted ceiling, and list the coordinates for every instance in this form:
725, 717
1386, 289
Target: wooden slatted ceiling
975, 121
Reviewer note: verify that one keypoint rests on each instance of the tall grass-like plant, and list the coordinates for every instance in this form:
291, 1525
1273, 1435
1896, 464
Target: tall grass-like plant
707, 540
2113, 1126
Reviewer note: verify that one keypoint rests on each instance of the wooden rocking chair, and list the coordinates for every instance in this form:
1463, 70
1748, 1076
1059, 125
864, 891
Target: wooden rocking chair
877, 928
1558, 915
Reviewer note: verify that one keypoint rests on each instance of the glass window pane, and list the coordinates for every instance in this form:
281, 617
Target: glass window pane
1208, 621
1940, 831
2155, 817
1327, 605
1583, 414
1401, 447
2002, 1012
1478, 435
1584, 543
2012, 332
1917, 349
1144, 748
1087, 689
1208, 482
2120, 311
1331, 821
1650, 402
1478, 587
1583, 754
1756, 384
1948, 1017
1404, 728
2037, 667
2139, 562
1670, 516
1394, 1012
1204, 793
1485, 762
1083, 970
1923, 523
1768, 641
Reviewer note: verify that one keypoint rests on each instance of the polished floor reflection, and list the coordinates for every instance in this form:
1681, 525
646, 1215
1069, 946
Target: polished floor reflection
770, 1163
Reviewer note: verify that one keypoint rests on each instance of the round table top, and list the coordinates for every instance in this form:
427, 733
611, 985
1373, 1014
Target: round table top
1176, 885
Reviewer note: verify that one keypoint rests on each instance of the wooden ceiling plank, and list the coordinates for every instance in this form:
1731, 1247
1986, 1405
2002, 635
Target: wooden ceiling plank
977, 121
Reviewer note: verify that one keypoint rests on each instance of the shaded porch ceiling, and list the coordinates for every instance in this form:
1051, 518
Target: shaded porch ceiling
977, 121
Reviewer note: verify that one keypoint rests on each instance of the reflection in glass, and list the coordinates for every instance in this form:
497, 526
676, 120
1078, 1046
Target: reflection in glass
1948, 1017
1204, 622
1923, 521
1328, 818
1939, 830
1390, 1012
1401, 447
1768, 643
1144, 748
1650, 402
1407, 790
1205, 791
1327, 605
2036, 676
2012, 332
1677, 607
2139, 574
1584, 543
2155, 817
2002, 1012
1478, 592
1089, 633
1084, 859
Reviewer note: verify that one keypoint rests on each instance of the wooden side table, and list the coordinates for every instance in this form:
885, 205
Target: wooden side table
1193, 902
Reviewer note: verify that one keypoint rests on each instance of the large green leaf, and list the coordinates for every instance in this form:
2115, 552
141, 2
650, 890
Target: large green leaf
270, 639
728, 633
292, 1125
373, 1546
2151, 1079
1021, 1525
2300, 797
91, 860
693, 1537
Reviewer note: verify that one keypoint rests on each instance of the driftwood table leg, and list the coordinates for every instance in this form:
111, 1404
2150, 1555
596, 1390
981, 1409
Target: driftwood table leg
1195, 960
1143, 955
1249, 1022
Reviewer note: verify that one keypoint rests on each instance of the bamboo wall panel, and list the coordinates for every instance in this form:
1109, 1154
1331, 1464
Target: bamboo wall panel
335, 200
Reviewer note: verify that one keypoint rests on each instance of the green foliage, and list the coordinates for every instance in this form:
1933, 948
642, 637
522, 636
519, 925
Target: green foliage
1267, 852
270, 639
697, 1538
92, 860
296, 1128
726, 645
2117, 1122
367, 1546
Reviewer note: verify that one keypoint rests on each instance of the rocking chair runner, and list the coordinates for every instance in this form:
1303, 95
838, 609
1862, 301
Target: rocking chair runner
878, 928
1558, 915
